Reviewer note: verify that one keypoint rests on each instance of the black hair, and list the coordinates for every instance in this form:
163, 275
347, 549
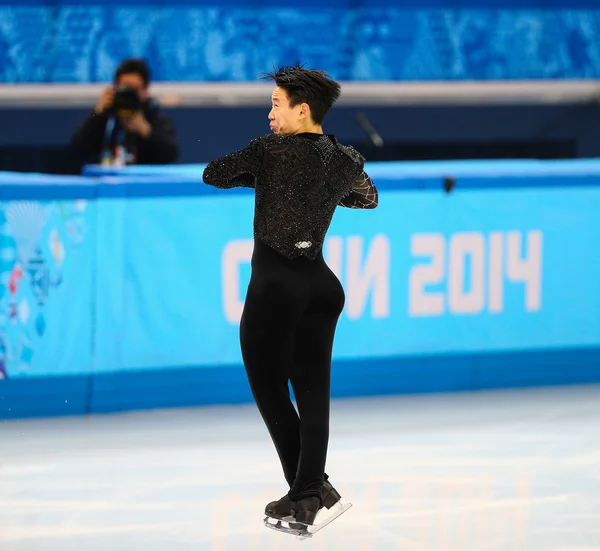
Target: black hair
310, 86
136, 66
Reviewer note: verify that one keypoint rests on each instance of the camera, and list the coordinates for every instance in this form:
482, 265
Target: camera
126, 102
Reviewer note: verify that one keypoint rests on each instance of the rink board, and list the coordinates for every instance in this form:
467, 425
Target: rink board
124, 291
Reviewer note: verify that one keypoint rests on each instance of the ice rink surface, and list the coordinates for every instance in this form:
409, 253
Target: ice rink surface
511, 471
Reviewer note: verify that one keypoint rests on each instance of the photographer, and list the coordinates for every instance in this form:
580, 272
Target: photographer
126, 126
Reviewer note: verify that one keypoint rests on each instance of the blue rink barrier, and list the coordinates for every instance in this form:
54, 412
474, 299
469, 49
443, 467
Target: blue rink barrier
124, 289
397, 170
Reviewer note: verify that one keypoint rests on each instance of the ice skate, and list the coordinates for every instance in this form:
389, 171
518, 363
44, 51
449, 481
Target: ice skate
298, 518
329, 497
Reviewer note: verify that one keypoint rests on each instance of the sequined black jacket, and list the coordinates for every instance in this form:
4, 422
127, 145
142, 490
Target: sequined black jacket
299, 180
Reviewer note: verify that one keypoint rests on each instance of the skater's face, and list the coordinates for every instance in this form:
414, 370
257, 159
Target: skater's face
285, 119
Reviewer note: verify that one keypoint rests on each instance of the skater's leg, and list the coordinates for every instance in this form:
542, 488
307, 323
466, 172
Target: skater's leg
311, 376
266, 334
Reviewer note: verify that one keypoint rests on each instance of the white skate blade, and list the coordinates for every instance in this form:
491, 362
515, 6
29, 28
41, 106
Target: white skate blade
336, 511
304, 531
288, 527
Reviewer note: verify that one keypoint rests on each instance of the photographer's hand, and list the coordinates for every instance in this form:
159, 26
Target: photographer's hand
138, 125
106, 100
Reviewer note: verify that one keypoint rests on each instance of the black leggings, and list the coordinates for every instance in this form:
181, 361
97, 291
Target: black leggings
287, 330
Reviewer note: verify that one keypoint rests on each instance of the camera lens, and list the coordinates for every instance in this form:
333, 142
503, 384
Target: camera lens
126, 101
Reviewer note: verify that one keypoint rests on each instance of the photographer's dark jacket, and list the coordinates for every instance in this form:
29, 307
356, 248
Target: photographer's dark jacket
97, 133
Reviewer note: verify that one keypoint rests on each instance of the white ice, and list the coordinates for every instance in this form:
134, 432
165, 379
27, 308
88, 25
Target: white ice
494, 471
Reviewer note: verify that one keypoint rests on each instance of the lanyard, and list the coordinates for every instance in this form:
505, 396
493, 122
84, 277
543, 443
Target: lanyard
108, 130
107, 155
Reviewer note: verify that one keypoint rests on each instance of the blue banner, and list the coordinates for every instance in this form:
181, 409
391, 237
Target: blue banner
425, 273
47, 263
132, 297
127, 282
66, 41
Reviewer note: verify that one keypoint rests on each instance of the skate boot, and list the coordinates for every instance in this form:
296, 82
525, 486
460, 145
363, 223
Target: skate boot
298, 517
329, 497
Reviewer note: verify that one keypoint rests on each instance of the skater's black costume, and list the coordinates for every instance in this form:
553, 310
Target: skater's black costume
294, 300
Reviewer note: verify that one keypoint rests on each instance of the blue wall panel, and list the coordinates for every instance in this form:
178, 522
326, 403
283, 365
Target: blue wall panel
131, 298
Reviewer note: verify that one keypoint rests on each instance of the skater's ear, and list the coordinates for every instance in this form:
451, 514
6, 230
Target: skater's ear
305, 111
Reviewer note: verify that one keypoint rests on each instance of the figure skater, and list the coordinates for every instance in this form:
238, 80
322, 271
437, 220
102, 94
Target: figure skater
300, 175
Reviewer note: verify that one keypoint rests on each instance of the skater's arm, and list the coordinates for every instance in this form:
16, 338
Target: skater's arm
238, 169
363, 194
